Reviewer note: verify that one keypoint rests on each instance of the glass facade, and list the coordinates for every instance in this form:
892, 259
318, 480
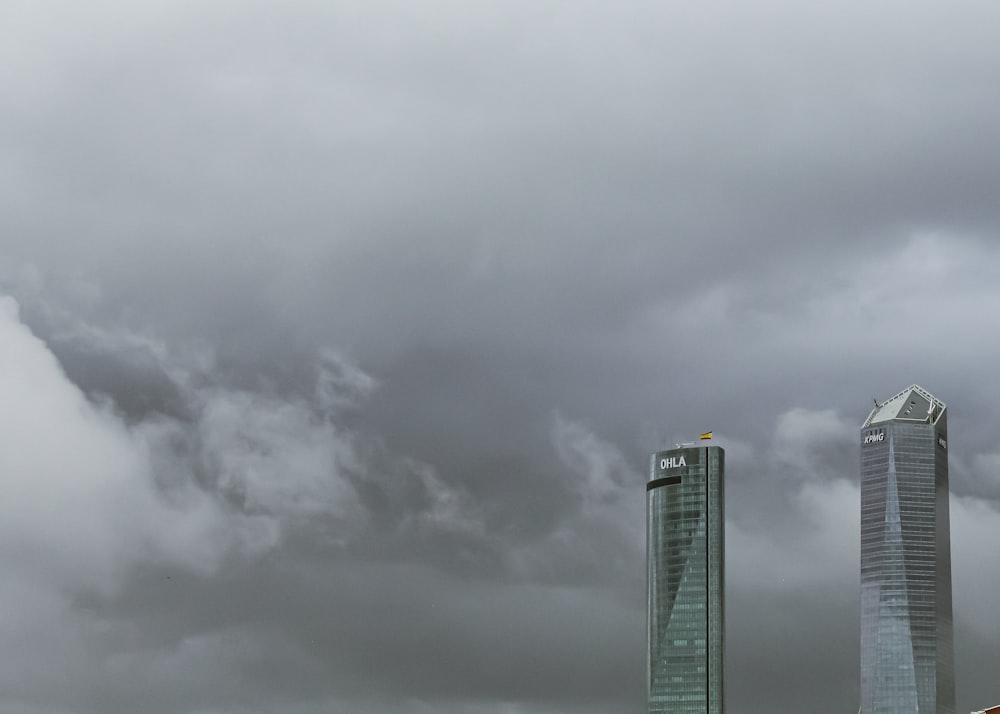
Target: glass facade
907, 663
685, 551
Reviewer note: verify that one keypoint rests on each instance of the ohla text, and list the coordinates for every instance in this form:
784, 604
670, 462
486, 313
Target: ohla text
672, 462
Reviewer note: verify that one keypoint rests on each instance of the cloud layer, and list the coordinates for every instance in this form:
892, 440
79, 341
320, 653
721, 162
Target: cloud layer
336, 337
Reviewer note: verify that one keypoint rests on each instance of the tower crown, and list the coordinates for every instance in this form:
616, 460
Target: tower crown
913, 404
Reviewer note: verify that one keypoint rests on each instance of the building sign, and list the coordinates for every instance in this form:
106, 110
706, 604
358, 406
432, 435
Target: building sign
874, 437
672, 462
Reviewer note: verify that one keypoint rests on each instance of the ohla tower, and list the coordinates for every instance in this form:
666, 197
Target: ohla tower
685, 551
907, 661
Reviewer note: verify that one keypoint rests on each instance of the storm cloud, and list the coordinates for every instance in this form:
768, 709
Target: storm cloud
335, 338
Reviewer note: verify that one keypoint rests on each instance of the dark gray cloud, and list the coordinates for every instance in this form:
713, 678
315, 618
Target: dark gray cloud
339, 335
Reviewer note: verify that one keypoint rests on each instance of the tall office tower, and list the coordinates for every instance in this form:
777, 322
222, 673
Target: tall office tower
685, 553
907, 664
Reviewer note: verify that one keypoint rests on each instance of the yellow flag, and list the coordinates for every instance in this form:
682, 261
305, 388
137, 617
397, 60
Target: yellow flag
707, 435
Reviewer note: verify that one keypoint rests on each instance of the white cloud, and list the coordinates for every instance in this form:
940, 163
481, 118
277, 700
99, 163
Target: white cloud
975, 533
79, 500
943, 282
812, 443
276, 457
986, 467
823, 553
599, 465
81, 509
604, 530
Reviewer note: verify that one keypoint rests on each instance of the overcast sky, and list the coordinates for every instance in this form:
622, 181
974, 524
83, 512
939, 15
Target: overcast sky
335, 338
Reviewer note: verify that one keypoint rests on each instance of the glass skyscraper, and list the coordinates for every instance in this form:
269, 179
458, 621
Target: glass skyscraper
685, 551
907, 663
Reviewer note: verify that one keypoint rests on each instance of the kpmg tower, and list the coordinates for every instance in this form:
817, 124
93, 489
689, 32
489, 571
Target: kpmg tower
907, 665
685, 542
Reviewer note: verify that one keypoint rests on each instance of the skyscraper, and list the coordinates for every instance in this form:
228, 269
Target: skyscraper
685, 552
907, 664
